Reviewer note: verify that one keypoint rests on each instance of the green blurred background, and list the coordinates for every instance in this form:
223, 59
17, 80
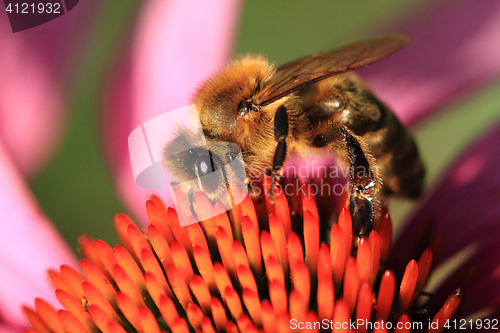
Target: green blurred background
76, 189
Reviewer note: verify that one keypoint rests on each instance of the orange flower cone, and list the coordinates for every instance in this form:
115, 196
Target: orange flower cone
229, 273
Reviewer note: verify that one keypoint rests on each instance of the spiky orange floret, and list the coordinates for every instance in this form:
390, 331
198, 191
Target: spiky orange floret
230, 273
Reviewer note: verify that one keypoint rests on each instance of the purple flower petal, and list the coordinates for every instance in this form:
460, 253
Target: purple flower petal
29, 246
177, 45
454, 48
465, 210
33, 66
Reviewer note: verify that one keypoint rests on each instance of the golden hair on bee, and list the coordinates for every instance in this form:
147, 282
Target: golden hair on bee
221, 95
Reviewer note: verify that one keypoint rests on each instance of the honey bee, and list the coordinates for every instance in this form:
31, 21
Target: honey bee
313, 104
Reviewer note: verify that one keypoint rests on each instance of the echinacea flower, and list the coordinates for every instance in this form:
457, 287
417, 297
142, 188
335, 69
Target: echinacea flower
412, 86
453, 50
240, 273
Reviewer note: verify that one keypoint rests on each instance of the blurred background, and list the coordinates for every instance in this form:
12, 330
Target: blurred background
75, 187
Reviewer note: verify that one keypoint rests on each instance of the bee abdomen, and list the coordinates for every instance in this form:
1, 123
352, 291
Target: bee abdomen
397, 155
390, 143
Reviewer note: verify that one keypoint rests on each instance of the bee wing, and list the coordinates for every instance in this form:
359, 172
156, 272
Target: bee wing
300, 73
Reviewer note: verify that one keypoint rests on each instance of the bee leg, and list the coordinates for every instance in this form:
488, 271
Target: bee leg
191, 204
364, 204
280, 134
279, 158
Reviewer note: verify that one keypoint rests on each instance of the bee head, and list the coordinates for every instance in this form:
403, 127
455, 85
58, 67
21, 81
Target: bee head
226, 99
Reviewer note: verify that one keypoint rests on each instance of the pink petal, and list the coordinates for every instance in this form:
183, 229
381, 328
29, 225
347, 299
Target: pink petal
29, 245
177, 45
465, 208
454, 48
11, 329
33, 66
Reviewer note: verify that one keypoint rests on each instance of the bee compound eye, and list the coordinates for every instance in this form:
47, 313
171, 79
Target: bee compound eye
205, 166
244, 108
